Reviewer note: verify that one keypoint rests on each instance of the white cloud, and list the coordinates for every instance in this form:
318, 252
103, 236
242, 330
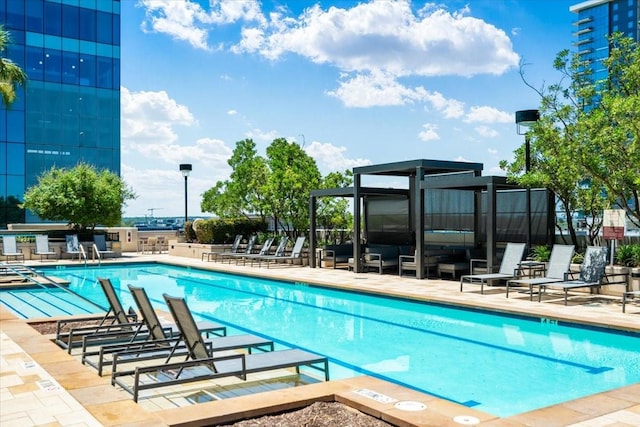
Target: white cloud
386, 35
492, 151
486, 131
187, 21
232, 112
149, 118
450, 108
429, 133
375, 89
331, 158
488, 115
261, 135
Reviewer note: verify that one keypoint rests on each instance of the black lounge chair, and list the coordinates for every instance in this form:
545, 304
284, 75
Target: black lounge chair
161, 340
117, 325
201, 364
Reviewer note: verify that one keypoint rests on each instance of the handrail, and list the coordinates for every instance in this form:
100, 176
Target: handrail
82, 254
28, 273
96, 252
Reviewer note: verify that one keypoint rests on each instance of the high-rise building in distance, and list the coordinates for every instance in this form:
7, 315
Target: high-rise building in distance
598, 19
69, 110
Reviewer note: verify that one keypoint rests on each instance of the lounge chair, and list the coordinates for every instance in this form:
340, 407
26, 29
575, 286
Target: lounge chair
509, 267
264, 250
72, 246
201, 364
115, 323
42, 247
247, 250
10, 249
234, 249
161, 340
296, 253
123, 326
591, 273
558, 267
100, 246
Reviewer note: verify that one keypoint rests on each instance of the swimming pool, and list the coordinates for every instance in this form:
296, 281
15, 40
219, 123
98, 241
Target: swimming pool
502, 365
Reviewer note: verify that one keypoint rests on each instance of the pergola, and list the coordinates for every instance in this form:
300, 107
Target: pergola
423, 175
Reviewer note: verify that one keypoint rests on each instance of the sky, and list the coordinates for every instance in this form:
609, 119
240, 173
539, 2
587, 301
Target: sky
354, 83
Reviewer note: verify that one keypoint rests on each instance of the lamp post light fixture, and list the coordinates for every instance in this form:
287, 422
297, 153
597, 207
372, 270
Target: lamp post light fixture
185, 168
524, 120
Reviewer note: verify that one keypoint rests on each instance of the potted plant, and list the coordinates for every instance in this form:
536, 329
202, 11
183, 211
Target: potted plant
629, 256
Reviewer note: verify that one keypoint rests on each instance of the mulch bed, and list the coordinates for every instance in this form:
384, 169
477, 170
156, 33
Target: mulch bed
319, 414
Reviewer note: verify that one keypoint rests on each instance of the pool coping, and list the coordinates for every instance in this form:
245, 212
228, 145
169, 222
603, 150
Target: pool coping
618, 404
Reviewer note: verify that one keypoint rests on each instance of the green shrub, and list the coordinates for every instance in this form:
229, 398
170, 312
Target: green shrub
628, 255
218, 230
541, 253
578, 258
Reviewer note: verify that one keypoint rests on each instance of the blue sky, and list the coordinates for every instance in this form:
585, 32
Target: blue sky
354, 83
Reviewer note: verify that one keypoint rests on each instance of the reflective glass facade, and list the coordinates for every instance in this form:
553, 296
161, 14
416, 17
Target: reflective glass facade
69, 111
596, 20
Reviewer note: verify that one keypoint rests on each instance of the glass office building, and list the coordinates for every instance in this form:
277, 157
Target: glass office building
596, 20
69, 111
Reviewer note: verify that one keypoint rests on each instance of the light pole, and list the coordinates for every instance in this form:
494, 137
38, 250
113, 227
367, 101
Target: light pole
185, 168
525, 119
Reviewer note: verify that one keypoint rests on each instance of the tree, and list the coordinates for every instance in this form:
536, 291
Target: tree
585, 129
293, 175
277, 186
83, 196
242, 195
11, 75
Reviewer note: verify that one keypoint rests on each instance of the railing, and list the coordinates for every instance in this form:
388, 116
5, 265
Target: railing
96, 254
30, 275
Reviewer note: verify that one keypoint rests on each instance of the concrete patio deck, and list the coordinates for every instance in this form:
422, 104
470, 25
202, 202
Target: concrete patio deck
41, 384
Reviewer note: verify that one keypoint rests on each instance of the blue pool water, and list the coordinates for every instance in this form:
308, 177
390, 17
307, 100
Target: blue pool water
502, 365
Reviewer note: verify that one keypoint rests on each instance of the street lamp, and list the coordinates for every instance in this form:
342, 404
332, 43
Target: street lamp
524, 120
185, 168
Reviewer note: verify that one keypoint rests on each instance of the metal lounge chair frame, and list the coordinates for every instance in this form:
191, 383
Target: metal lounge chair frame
116, 323
509, 267
234, 249
247, 250
100, 246
296, 253
161, 341
592, 272
557, 269
72, 246
10, 248
42, 247
264, 250
211, 367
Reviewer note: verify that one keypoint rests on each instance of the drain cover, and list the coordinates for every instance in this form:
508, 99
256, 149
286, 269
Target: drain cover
410, 405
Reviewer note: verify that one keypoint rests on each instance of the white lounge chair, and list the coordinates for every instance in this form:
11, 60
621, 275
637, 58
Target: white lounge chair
42, 247
10, 249
509, 267
558, 267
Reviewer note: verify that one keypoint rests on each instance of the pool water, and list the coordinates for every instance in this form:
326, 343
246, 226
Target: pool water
503, 365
